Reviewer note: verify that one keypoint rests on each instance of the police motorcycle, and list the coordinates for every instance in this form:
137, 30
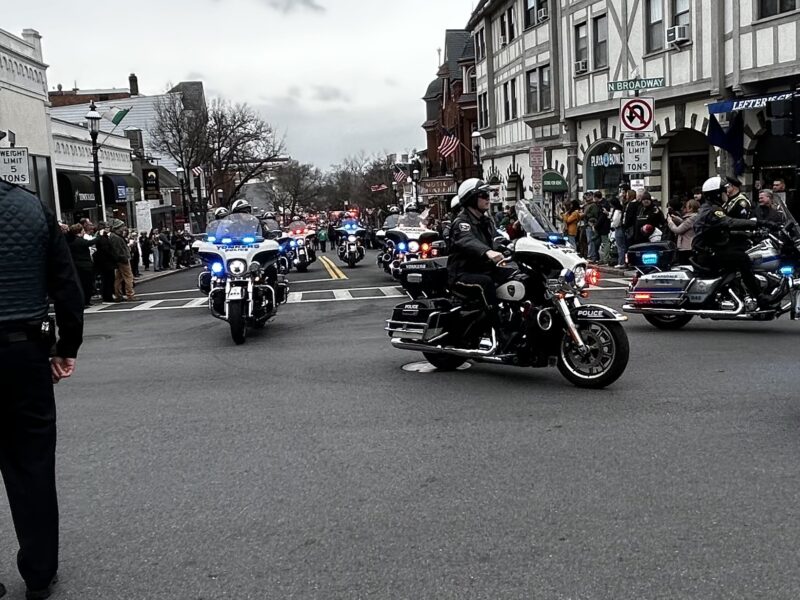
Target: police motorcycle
301, 245
243, 281
669, 295
391, 221
350, 248
410, 240
544, 322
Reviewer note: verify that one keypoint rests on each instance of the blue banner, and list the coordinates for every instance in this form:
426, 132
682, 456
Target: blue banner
735, 104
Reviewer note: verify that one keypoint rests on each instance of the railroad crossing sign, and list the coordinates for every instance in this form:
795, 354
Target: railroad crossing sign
636, 115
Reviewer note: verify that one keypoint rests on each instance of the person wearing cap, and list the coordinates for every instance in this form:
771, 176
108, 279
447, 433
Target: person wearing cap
122, 259
35, 267
737, 206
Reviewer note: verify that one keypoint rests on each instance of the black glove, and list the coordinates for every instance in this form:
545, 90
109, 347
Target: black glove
770, 225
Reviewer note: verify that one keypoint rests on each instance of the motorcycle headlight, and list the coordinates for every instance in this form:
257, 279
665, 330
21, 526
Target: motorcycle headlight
351, 238
580, 277
413, 247
237, 267
300, 242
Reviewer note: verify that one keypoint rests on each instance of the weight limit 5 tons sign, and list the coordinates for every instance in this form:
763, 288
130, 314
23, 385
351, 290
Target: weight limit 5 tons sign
14, 166
636, 155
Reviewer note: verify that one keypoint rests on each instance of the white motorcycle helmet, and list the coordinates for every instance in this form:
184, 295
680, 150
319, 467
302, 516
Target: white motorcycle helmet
455, 203
241, 206
412, 208
713, 189
470, 189
221, 213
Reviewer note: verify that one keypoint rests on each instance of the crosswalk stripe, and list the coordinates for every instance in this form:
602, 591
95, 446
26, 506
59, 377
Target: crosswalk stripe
342, 295
197, 303
295, 297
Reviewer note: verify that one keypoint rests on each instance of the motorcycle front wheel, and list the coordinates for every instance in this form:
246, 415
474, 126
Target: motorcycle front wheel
237, 322
607, 358
444, 362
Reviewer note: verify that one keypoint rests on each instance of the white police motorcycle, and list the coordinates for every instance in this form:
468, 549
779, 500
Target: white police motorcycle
245, 281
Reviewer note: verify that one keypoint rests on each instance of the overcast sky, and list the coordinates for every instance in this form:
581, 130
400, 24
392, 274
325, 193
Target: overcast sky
338, 76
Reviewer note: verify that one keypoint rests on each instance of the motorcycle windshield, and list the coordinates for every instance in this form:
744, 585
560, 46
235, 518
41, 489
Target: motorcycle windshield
235, 227
297, 226
780, 204
411, 220
391, 221
532, 219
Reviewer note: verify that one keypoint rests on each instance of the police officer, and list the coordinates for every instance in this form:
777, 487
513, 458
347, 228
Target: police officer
472, 261
715, 237
737, 206
35, 264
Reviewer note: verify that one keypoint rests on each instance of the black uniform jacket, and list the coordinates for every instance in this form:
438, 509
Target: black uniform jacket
470, 238
713, 227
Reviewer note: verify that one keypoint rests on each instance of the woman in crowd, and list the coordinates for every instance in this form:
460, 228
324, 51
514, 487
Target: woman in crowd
571, 217
82, 258
683, 228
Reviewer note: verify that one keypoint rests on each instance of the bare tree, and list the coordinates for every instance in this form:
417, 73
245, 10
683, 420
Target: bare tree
242, 146
296, 185
180, 133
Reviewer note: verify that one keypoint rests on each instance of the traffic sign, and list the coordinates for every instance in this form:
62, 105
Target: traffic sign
635, 85
14, 166
636, 115
636, 155
536, 157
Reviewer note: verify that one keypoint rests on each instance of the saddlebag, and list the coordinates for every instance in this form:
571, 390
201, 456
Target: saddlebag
660, 255
423, 319
424, 278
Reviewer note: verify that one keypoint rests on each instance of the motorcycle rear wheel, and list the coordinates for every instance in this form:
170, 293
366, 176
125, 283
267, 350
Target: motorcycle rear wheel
237, 322
668, 322
608, 357
444, 362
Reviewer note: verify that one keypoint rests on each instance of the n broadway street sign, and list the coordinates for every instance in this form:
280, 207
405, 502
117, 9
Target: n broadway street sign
634, 85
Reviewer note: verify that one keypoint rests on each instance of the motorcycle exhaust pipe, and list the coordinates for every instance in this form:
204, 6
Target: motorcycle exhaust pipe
462, 352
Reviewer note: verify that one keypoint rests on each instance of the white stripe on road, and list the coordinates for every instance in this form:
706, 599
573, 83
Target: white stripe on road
147, 305
342, 295
169, 292
197, 303
294, 297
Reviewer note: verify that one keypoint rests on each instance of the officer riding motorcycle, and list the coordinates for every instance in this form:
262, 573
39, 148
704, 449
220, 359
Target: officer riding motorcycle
271, 225
472, 262
717, 240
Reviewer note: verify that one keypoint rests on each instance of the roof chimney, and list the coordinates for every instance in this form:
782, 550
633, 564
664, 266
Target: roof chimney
34, 39
133, 84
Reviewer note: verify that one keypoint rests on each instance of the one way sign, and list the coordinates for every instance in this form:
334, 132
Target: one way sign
636, 115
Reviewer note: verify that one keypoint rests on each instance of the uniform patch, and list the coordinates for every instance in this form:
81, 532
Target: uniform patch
719, 213
744, 203
464, 226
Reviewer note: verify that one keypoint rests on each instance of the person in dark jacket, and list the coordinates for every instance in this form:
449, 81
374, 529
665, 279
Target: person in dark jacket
79, 248
649, 214
133, 244
35, 264
123, 282
165, 244
765, 210
631, 207
146, 250
104, 264
472, 262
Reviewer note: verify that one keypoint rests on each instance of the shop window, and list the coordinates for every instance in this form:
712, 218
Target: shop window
654, 13
770, 8
603, 167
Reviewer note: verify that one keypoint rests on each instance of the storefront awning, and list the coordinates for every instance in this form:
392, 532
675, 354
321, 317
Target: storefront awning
75, 190
552, 181
755, 103
125, 180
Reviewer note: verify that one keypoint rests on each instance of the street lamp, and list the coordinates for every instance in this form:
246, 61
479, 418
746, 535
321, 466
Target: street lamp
220, 196
181, 172
476, 143
415, 176
93, 118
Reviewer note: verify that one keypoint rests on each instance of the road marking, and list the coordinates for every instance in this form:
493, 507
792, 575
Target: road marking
197, 303
147, 305
326, 263
294, 297
342, 295
169, 292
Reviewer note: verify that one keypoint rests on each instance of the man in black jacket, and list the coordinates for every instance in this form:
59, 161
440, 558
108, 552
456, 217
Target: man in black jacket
35, 264
472, 261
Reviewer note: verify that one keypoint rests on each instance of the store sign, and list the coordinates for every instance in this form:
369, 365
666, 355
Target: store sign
152, 190
553, 182
438, 186
636, 152
122, 192
14, 166
607, 159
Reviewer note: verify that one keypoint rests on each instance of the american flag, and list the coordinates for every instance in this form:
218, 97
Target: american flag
380, 187
448, 145
197, 171
400, 175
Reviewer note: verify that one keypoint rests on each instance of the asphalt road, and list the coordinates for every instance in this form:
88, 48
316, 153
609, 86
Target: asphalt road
308, 464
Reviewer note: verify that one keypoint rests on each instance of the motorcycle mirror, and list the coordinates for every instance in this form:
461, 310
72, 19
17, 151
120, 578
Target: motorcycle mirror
255, 267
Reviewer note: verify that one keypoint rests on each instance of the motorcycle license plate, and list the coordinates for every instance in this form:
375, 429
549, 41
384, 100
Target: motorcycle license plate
352, 247
235, 293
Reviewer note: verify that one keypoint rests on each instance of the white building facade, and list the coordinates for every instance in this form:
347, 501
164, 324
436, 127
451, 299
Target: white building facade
24, 109
544, 67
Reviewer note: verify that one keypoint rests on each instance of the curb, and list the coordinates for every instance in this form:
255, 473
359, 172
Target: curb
163, 274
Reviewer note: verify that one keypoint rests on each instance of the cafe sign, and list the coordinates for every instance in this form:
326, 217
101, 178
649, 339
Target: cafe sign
438, 186
553, 182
